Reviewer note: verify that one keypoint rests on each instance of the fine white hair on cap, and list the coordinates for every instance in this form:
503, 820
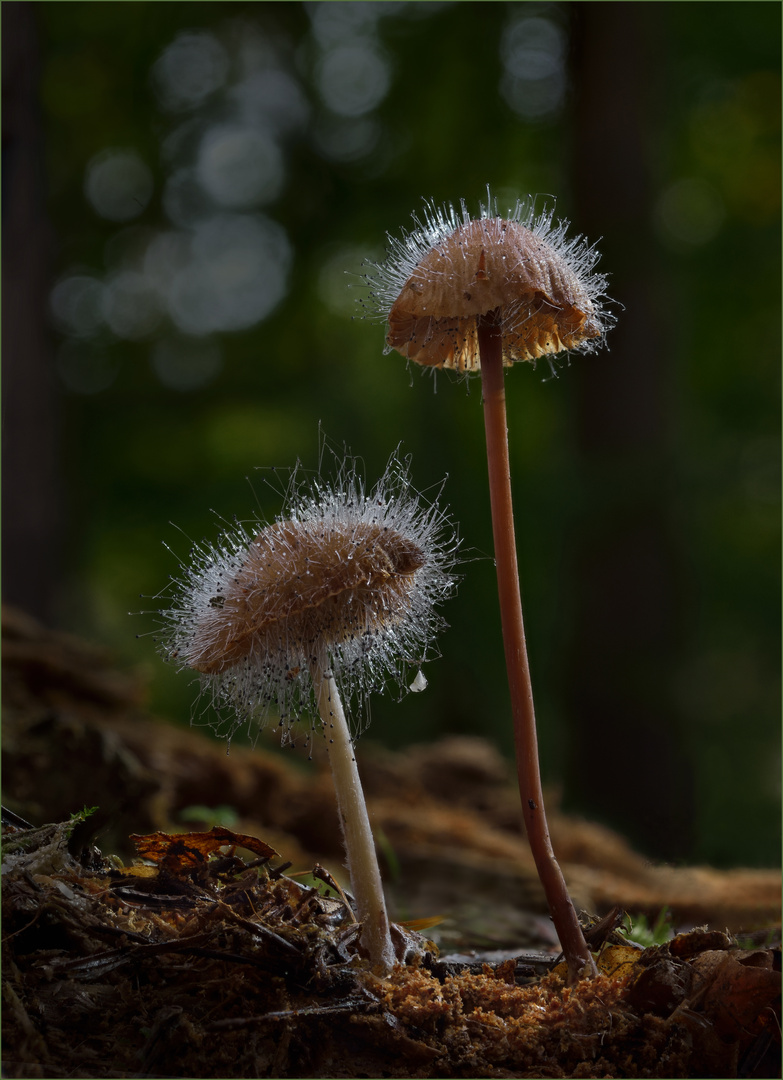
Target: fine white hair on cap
440, 277
353, 570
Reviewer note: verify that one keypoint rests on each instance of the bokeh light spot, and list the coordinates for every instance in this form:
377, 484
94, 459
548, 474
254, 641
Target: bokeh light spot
130, 305
353, 79
239, 167
689, 212
533, 51
184, 198
76, 303
167, 253
236, 277
118, 184
194, 66
273, 99
341, 20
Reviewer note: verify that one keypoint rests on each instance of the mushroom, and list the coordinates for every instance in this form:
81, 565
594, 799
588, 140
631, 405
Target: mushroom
475, 295
332, 599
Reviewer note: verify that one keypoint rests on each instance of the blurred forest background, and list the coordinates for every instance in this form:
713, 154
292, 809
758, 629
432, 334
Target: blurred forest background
189, 193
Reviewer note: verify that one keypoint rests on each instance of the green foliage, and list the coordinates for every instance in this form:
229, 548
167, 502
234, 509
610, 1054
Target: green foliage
645, 933
81, 815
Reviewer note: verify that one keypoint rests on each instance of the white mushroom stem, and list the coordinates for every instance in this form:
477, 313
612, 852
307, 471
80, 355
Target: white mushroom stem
355, 822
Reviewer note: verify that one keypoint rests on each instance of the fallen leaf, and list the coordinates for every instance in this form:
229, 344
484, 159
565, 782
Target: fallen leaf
194, 847
617, 960
740, 999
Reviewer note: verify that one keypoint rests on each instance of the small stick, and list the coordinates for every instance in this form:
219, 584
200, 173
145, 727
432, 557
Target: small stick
561, 908
322, 874
354, 820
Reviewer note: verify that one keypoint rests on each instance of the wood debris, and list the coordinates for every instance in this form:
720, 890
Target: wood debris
198, 962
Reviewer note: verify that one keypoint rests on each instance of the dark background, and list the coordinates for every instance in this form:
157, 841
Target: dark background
188, 193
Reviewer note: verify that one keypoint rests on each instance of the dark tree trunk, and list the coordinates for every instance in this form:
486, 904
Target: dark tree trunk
624, 742
31, 556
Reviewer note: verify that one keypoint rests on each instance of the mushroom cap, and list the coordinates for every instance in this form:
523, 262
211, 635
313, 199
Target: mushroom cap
355, 572
302, 582
541, 287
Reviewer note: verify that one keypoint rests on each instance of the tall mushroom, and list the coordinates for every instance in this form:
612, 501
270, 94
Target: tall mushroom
475, 295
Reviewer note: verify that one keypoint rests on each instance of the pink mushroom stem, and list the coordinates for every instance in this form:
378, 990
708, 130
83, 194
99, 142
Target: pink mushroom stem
561, 908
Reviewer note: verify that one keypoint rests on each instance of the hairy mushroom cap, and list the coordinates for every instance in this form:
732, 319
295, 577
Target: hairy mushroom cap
353, 572
439, 279
302, 581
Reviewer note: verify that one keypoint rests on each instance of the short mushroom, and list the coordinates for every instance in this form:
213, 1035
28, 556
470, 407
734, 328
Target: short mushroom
333, 599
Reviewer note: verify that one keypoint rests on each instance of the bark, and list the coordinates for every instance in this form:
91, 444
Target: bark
625, 554
31, 509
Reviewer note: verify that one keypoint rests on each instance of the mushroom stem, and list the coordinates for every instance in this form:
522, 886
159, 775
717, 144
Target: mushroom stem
561, 908
357, 835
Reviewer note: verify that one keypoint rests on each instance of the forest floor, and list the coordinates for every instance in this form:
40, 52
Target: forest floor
205, 953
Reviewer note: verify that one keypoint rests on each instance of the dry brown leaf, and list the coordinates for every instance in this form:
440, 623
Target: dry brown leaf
178, 850
740, 998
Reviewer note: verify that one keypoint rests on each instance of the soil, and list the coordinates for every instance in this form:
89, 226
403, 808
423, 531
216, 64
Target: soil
192, 951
